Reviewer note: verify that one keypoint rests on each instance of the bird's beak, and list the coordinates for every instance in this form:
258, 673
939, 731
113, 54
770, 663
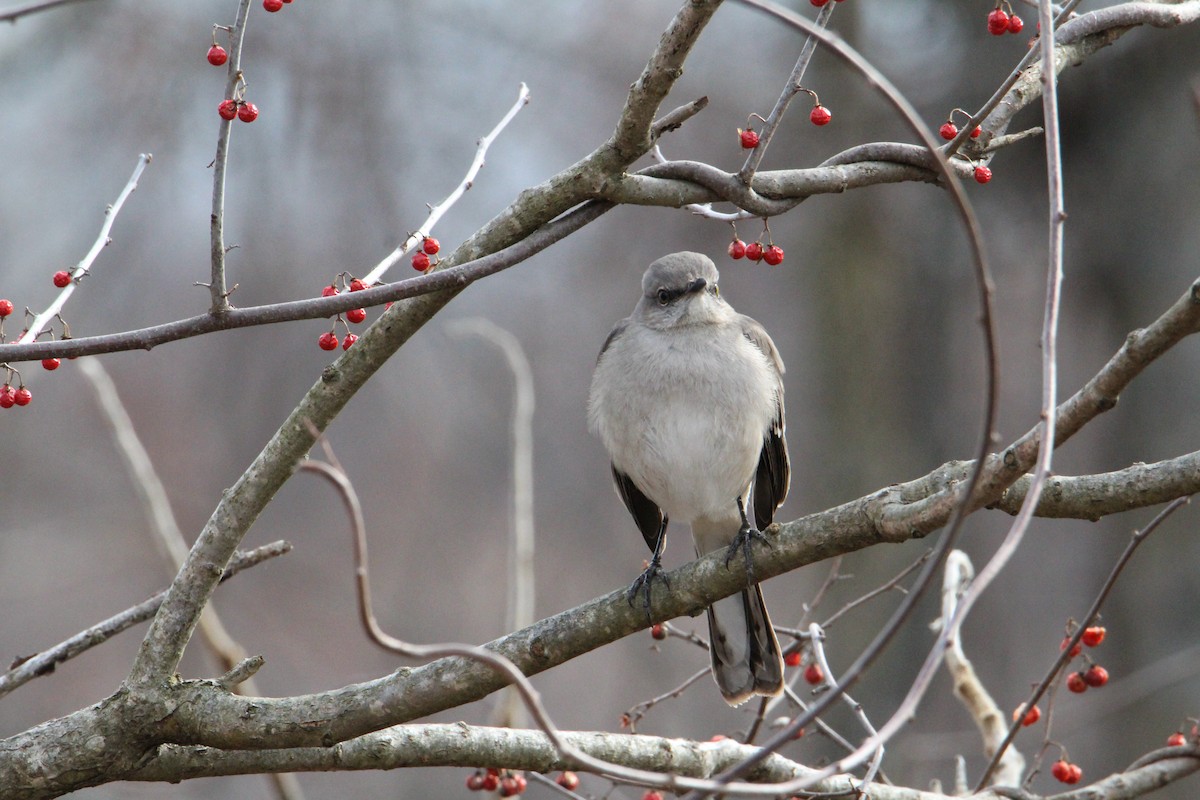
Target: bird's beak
696, 286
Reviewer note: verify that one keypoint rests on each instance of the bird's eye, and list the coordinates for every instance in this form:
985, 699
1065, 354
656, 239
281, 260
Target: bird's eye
664, 297
716, 292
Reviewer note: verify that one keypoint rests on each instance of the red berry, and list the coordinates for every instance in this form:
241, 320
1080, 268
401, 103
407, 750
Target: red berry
7, 396
349, 340
50, 364
657, 631
1076, 650
773, 255
522, 784
356, 315
217, 55
62, 278
749, 139
1076, 774
948, 130
1029, 717
248, 112
22, 396
356, 285
813, 674
272, 5
1063, 771
420, 261
1176, 739
1096, 676
490, 782
818, 3
6, 308
975, 133
327, 341
475, 782
793, 658
568, 780
982, 174
651, 794
1015, 24
508, 786
754, 251
1076, 682
431, 246
737, 249
228, 109
329, 291
1093, 636
997, 22
820, 115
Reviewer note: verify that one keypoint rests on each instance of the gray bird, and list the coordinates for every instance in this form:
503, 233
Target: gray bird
687, 398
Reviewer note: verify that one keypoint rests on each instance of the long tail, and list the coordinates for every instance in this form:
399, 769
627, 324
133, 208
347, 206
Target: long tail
745, 653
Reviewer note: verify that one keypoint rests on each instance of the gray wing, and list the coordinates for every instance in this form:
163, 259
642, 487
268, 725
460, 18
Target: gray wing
774, 472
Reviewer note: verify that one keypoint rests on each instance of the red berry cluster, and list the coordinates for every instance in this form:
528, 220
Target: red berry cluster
329, 340
949, 130
229, 108
429, 247
10, 397
819, 3
756, 251
274, 5
1093, 675
1066, 772
509, 783
1000, 22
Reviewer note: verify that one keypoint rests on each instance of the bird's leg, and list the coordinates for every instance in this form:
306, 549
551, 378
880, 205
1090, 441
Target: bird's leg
745, 537
644, 582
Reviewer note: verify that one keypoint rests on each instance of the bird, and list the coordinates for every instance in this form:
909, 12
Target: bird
687, 399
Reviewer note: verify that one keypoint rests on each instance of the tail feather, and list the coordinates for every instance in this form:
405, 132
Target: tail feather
746, 660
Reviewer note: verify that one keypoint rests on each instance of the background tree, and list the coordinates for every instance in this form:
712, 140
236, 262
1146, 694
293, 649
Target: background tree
368, 112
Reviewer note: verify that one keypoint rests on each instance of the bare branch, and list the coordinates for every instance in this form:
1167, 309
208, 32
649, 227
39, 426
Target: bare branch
85, 264
43, 663
438, 211
218, 292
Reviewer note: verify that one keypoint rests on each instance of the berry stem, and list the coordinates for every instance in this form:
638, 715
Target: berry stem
790, 90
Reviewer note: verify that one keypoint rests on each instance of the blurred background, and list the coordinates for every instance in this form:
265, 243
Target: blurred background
371, 110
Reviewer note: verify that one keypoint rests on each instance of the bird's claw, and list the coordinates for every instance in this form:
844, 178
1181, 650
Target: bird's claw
746, 536
644, 583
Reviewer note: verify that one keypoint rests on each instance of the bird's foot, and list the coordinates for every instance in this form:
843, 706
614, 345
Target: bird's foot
644, 583
746, 536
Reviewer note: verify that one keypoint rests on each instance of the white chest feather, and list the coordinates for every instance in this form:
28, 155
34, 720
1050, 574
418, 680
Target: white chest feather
684, 414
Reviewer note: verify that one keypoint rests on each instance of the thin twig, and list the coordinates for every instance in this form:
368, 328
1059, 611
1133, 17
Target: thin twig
453, 278
436, 212
85, 264
44, 663
790, 90
218, 293
13, 14
1065, 654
